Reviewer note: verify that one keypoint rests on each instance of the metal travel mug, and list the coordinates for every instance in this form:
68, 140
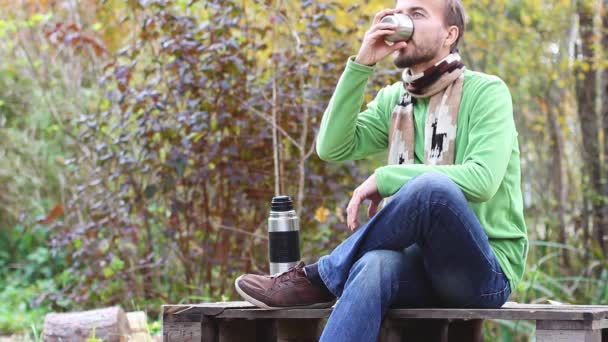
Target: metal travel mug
405, 29
283, 235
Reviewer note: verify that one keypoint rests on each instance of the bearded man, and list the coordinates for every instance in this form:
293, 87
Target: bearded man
451, 232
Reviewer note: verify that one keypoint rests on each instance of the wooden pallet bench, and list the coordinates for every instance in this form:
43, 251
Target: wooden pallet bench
241, 321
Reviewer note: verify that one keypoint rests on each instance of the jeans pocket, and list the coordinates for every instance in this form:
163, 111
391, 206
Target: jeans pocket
491, 300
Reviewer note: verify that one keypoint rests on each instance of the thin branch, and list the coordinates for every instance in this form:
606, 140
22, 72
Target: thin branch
269, 120
275, 146
311, 150
38, 78
240, 231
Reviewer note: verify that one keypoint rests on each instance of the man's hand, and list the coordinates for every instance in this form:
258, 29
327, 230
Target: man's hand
374, 48
366, 191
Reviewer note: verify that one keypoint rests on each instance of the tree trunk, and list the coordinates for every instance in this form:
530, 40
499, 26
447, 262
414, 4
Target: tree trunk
109, 324
604, 97
559, 188
557, 169
586, 93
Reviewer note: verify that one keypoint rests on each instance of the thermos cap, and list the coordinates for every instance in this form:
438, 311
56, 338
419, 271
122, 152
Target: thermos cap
281, 203
405, 28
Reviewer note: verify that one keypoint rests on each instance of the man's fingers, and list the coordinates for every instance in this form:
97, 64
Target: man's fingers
351, 212
352, 217
383, 26
398, 46
381, 33
373, 209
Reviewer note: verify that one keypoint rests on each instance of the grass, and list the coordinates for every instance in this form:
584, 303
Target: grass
18, 312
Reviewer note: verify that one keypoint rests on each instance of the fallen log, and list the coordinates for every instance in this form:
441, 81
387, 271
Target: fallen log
108, 324
138, 324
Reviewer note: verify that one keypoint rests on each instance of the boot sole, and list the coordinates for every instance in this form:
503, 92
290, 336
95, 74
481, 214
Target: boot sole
265, 306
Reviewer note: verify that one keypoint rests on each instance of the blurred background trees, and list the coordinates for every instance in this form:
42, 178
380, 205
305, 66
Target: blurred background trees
141, 142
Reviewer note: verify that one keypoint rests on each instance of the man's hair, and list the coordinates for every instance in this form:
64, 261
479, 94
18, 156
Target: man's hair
455, 15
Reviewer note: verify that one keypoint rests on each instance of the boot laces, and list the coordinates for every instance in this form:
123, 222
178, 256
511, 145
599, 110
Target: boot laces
291, 273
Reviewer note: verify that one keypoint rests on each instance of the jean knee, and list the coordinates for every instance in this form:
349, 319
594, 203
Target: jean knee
385, 264
430, 182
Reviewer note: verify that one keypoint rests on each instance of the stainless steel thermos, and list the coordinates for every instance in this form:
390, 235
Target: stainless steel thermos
405, 28
283, 235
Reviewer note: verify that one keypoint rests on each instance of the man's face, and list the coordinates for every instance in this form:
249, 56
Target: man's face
429, 32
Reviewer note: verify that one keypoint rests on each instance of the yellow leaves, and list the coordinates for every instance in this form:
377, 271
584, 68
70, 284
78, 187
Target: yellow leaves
321, 214
538, 128
553, 75
196, 136
484, 2
476, 17
162, 155
196, 249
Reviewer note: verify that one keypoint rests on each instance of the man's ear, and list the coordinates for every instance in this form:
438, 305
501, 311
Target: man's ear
453, 33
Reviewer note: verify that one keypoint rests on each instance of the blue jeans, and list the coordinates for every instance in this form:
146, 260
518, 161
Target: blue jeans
424, 248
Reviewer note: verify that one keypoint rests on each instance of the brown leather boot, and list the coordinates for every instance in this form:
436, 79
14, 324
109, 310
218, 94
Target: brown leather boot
290, 289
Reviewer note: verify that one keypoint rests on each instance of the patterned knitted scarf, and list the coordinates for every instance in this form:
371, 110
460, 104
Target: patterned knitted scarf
442, 83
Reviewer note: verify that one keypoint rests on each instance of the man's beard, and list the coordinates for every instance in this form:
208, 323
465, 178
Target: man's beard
416, 57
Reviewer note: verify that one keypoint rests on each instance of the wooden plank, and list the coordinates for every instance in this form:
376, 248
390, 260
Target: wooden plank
564, 325
568, 336
511, 312
515, 305
600, 324
182, 328
558, 331
573, 325
506, 314
182, 332
274, 314
210, 330
202, 321
242, 330
298, 330
208, 309
390, 331
508, 305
